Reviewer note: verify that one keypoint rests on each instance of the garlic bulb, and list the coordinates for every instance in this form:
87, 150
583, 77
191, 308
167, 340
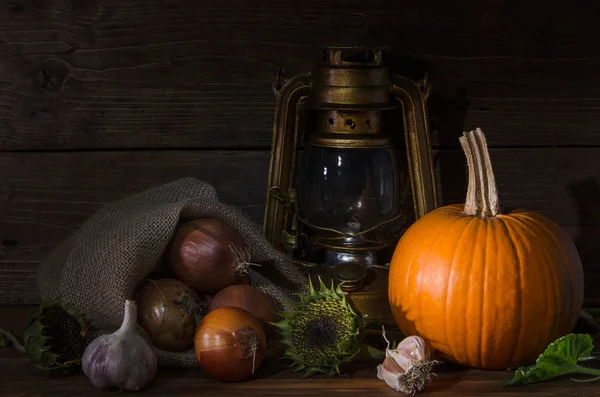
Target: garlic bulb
407, 368
122, 359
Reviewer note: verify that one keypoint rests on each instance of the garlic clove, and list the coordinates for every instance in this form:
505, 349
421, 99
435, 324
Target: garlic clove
402, 361
407, 368
414, 347
391, 373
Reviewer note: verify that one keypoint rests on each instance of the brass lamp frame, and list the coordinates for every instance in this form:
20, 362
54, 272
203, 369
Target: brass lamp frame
280, 226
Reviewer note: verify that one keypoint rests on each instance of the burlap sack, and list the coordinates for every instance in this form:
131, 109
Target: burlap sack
104, 262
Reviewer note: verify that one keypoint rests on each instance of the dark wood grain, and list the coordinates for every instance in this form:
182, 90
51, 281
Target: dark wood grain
80, 77
103, 74
510, 29
46, 196
19, 378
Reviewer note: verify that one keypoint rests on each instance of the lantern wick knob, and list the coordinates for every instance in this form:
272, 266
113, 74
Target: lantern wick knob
367, 20
365, 27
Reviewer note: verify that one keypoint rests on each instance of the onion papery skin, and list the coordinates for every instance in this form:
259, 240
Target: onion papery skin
169, 311
209, 255
221, 344
248, 298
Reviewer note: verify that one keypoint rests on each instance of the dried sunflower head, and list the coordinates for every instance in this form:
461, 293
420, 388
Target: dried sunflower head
321, 332
55, 338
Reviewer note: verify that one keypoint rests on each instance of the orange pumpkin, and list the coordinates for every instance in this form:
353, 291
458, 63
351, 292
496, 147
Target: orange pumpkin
485, 289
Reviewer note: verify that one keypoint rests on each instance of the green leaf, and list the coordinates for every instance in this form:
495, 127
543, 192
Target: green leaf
560, 358
372, 352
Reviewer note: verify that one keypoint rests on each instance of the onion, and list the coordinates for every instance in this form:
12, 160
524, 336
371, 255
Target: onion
209, 255
230, 344
169, 311
245, 297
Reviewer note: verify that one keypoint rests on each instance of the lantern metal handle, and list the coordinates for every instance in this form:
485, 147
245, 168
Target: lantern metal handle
413, 98
281, 169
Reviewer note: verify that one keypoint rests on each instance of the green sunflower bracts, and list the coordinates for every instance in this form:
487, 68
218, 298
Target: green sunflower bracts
54, 340
321, 332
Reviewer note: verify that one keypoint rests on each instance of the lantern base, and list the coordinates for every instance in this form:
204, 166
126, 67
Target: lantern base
371, 299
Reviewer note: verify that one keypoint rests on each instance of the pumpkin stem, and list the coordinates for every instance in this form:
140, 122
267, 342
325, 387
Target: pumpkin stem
482, 196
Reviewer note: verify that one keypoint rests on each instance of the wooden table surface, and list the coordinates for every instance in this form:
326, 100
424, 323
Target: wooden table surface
18, 378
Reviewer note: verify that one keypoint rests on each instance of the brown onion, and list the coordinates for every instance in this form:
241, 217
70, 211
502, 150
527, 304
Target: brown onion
230, 344
169, 311
209, 255
245, 297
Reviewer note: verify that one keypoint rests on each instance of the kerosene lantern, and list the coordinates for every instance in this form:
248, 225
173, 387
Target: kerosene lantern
335, 196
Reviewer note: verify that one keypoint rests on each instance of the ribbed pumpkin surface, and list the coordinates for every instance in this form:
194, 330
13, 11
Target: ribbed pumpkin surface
486, 291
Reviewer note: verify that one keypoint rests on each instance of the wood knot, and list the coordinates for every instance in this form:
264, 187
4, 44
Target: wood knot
50, 76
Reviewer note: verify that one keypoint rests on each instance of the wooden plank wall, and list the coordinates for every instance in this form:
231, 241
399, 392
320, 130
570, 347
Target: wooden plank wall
104, 98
